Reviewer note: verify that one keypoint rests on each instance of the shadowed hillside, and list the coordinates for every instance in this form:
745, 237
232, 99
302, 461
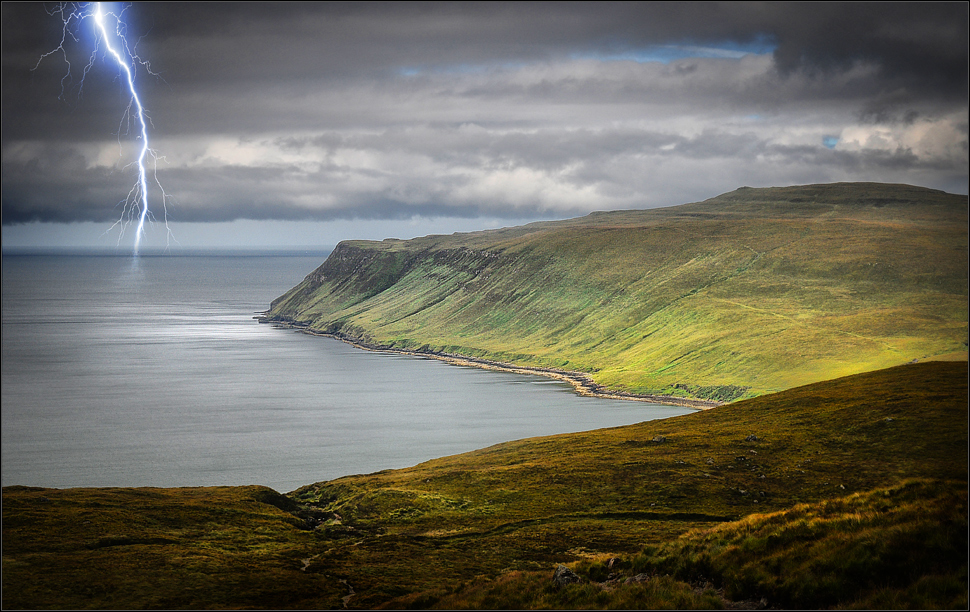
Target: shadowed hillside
750, 292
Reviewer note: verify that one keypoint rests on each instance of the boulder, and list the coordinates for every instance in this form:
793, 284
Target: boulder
563, 576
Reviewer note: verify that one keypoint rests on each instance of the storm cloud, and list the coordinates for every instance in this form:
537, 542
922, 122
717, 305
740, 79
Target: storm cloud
512, 111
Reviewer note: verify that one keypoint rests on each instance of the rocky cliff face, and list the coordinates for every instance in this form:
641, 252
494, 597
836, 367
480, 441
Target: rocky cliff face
358, 271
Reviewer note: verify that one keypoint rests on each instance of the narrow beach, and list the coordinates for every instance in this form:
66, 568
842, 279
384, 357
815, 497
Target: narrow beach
581, 382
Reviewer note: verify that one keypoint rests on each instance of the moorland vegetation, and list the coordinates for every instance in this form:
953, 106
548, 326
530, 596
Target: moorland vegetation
846, 493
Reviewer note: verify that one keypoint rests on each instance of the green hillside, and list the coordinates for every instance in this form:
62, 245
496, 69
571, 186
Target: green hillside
845, 493
750, 292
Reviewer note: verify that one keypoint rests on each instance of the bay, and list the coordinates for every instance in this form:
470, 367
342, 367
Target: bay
152, 371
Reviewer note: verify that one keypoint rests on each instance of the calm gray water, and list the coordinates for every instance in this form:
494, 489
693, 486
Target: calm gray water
152, 372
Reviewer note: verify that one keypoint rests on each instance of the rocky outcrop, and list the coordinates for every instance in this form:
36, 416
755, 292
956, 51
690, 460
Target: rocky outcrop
563, 576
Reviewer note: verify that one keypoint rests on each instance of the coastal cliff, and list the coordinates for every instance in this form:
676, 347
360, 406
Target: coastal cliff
750, 292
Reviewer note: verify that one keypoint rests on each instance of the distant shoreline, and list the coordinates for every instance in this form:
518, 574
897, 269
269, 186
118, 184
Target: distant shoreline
582, 383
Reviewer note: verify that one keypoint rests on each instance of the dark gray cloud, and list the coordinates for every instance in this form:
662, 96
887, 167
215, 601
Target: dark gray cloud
390, 111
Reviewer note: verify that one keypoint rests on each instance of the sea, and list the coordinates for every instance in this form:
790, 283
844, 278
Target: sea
152, 370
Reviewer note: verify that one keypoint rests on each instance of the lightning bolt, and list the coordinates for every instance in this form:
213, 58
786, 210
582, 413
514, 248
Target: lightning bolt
107, 23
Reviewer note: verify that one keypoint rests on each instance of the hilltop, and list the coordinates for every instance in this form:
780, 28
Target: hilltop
750, 292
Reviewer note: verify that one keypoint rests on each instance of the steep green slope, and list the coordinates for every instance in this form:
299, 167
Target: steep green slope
749, 292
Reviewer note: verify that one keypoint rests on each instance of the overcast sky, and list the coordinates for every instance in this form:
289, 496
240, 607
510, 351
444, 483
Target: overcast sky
304, 124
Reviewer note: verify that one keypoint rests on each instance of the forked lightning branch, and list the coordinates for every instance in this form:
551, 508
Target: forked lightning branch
109, 35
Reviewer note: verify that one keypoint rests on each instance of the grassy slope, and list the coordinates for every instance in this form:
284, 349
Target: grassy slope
753, 291
885, 548
899, 547
472, 529
155, 548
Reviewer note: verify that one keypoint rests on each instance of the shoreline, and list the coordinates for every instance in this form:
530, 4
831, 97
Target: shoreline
582, 383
